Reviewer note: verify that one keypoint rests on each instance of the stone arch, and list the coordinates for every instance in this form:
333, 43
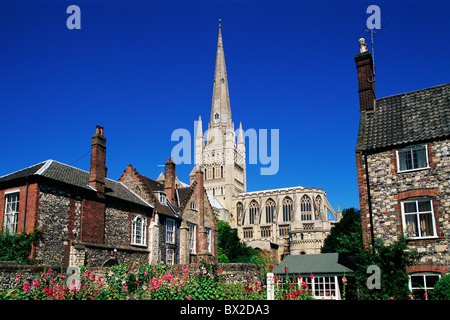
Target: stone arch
110, 262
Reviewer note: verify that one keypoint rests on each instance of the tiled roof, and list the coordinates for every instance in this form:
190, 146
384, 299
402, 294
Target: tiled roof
406, 118
324, 264
75, 177
154, 186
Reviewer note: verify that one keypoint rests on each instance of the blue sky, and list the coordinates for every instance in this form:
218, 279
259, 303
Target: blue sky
142, 69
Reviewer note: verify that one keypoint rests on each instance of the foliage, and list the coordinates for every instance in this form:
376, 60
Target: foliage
345, 236
230, 246
52, 286
441, 290
292, 289
192, 282
16, 247
392, 261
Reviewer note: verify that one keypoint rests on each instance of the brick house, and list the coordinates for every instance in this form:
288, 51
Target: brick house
403, 167
184, 220
84, 217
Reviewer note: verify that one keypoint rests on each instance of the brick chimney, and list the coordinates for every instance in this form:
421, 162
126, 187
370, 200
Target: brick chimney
97, 173
93, 209
169, 180
202, 234
366, 78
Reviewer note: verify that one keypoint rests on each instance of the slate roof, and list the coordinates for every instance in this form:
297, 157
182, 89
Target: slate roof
326, 264
64, 173
406, 118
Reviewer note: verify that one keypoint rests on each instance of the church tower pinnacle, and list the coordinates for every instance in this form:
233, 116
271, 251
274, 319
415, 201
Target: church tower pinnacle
220, 109
222, 159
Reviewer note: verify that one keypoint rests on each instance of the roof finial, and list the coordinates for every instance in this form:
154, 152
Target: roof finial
220, 23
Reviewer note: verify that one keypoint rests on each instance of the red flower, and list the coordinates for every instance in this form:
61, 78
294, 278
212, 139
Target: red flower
270, 267
286, 269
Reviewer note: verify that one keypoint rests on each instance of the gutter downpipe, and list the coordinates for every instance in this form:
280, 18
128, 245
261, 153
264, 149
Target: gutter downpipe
369, 199
25, 211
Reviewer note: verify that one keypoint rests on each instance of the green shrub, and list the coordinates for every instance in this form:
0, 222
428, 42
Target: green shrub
16, 247
441, 289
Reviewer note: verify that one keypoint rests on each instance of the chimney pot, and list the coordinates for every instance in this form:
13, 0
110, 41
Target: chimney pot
97, 174
366, 78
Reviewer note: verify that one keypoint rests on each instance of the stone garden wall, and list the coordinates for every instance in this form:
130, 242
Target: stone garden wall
231, 272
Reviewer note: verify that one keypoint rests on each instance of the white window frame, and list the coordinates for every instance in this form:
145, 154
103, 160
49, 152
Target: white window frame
426, 288
398, 151
162, 197
192, 238
417, 214
11, 216
193, 206
334, 294
208, 239
170, 257
170, 231
139, 232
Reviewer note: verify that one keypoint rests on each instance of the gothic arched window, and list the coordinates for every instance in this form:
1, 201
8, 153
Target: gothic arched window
287, 209
305, 206
253, 212
270, 208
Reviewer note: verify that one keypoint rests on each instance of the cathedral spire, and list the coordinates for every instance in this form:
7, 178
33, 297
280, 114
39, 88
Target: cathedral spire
220, 109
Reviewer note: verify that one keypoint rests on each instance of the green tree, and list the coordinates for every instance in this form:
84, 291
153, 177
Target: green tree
392, 260
231, 249
345, 236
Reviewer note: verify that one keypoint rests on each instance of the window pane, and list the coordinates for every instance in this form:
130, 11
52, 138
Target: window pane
426, 225
405, 159
410, 207
431, 280
411, 225
420, 157
424, 205
417, 281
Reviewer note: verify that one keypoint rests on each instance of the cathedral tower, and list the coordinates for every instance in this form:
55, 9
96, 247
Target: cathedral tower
222, 159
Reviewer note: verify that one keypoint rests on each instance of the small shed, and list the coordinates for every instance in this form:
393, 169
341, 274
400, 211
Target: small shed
323, 272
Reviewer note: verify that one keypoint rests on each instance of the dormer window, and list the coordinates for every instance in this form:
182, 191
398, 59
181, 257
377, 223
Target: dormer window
162, 198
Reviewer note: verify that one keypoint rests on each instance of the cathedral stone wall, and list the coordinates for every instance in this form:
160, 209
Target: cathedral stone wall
289, 220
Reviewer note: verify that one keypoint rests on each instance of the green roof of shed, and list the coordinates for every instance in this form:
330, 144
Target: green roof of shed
324, 264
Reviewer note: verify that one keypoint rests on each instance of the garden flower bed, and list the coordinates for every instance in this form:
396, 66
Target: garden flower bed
192, 282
